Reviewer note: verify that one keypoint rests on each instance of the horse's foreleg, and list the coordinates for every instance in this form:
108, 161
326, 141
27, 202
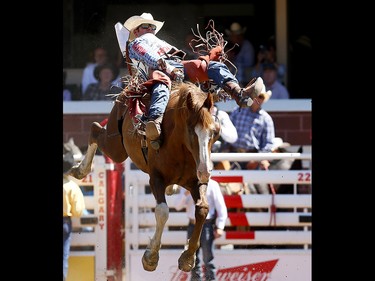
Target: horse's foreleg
186, 262
171, 189
150, 258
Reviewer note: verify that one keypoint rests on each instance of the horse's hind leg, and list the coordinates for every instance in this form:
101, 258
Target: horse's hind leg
150, 258
109, 139
109, 142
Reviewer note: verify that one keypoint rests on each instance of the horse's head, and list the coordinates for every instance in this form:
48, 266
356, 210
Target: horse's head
200, 131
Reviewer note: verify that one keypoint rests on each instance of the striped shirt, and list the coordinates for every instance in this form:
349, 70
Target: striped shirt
149, 49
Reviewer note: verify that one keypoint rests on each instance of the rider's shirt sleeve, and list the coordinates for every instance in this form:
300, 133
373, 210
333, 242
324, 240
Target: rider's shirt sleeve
148, 49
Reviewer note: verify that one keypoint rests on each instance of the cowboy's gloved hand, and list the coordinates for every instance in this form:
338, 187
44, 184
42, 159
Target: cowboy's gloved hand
162, 64
177, 75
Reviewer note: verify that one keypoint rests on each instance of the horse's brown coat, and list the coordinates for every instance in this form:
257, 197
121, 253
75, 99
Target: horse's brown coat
176, 162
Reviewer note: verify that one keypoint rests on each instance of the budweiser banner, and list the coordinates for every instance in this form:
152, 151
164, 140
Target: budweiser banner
232, 265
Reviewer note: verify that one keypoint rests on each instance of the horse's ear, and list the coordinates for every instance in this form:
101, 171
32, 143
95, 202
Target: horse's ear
209, 102
189, 101
197, 99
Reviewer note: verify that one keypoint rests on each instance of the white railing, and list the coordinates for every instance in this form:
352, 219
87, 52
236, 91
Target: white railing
140, 219
104, 107
291, 226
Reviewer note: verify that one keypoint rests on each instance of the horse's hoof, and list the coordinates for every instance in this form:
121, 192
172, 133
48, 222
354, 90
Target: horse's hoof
75, 172
149, 261
186, 262
96, 130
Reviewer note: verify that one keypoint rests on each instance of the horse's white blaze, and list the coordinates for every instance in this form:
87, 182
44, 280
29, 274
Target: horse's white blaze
205, 165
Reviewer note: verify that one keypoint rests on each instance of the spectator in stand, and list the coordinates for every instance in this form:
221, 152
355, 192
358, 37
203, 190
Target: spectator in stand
267, 54
243, 55
256, 132
73, 206
279, 91
254, 126
261, 58
212, 228
67, 95
106, 75
99, 57
281, 68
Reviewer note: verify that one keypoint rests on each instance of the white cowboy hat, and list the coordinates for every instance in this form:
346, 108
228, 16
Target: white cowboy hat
279, 143
235, 28
135, 21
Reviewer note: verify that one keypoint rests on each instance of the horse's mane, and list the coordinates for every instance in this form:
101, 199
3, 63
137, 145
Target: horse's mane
194, 104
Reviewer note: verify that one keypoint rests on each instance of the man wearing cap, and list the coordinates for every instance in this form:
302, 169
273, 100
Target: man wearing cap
243, 57
279, 91
164, 62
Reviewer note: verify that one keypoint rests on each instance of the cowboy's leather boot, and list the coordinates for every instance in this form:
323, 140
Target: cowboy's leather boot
153, 131
244, 96
254, 88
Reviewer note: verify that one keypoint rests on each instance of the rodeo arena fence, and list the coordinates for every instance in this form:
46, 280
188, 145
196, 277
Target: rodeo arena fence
267, 236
